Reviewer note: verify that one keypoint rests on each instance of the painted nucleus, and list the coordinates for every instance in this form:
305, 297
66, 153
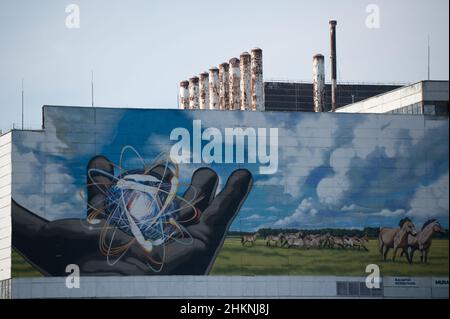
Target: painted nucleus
142, 204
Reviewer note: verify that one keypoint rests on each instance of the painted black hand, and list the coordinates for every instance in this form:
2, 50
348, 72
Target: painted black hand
51, 246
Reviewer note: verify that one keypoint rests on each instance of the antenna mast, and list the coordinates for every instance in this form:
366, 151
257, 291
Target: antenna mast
92, 88
429, 59
22, 105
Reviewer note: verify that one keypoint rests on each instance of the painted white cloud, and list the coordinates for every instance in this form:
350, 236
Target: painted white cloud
331, 190
296, 175
273, 209
30, 185
254, 217
272, 181
389, 213
54, 118
304, 214
349, 208
431, 201
306, 157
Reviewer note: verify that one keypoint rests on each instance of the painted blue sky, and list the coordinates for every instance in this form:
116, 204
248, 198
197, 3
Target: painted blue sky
335, 170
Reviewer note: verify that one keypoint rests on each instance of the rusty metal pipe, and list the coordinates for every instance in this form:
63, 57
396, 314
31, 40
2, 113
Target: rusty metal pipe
224, 86
184, 95
235, 80
246, 78
319, 83
257, 81
214, 88
194, 93
204, 90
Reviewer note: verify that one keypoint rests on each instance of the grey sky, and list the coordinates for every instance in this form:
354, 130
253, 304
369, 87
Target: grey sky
140, 50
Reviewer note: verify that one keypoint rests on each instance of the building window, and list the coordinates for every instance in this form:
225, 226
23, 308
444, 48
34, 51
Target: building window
411, 109
429, 110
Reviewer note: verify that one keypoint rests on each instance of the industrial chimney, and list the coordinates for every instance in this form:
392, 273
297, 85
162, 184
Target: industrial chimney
214, 88
204, 91
193, 93
235, 80
184, 95
258, 103
333, 24
224, 84
319, 83
237, 85
246, 79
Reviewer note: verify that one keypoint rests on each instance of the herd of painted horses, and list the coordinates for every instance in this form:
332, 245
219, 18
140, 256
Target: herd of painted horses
300, 240
404, 238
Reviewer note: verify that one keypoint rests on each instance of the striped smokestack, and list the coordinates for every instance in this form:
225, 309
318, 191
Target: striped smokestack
184, 95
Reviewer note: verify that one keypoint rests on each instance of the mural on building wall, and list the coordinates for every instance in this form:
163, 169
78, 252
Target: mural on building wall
160, 192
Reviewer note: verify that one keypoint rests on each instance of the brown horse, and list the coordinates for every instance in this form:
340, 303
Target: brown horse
422, 241
249, 239
295, 242
325, 241
280, 238
360, 243
312, 241
337, 242
290, 238
395, 238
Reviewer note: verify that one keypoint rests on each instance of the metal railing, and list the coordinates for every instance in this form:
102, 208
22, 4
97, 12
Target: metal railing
303, 81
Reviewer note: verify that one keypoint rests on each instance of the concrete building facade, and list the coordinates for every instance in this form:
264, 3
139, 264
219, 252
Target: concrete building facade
423, 98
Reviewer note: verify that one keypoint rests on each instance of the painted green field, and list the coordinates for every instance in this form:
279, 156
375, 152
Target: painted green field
21, 268
234, 259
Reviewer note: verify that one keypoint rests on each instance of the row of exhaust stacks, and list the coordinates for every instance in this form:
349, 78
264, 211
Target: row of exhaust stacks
236, 85
239, 84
